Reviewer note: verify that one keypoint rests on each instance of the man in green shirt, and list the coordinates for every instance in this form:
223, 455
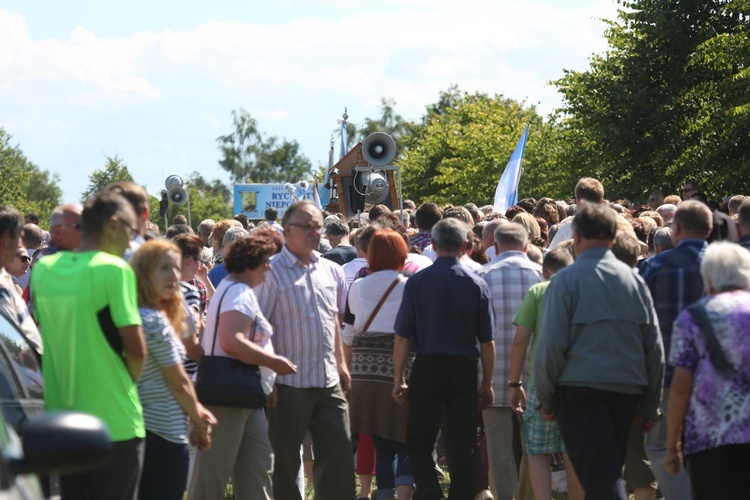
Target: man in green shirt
85, 303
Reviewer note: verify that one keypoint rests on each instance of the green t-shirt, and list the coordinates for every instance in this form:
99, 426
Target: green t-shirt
80, 301
529, 315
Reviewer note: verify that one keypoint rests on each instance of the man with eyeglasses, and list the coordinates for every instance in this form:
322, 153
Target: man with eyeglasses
304, 297
689, 188
64, 230
86, 306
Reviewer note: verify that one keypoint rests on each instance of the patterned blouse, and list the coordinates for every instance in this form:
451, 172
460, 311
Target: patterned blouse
718, 412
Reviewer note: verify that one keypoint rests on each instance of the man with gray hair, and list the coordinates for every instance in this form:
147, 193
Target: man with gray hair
509, 277
667, 212
446, 318
64, 230
599, 359
219, 272
488, 237
663, 240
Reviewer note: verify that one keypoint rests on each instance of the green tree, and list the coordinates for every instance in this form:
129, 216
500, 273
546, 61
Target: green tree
667, 101
249, 156
114, 170
461, 152
24, 185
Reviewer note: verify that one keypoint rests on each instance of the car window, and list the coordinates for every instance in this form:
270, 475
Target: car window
23, 357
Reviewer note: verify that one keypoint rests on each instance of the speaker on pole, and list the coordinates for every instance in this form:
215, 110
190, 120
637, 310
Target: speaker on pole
379, 149
177, 195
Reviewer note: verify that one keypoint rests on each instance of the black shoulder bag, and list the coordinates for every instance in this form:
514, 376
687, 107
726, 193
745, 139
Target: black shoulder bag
224, 381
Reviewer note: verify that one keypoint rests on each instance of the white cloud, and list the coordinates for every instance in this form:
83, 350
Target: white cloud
153, 94
426, 42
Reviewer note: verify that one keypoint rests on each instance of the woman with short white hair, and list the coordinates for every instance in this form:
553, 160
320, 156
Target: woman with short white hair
709, 400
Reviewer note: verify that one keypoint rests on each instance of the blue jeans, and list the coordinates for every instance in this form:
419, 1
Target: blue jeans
392, 466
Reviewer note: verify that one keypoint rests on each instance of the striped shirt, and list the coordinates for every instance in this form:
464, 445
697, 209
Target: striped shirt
161, 412
509, 277
192, 300
302, 303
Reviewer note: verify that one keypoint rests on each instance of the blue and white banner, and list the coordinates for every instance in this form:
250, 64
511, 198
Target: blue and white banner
253, 199
506, 194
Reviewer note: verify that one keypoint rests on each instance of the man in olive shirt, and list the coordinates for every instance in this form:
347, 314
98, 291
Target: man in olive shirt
599, 358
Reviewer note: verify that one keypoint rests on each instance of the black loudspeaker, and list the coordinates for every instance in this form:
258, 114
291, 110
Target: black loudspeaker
177, 195
379, 149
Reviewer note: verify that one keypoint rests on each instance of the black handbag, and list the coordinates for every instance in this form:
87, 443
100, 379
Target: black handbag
224, 381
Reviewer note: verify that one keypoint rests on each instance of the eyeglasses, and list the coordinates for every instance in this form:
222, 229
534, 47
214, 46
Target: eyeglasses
309, 229
24, 258
688, 190
131, 228
76, 225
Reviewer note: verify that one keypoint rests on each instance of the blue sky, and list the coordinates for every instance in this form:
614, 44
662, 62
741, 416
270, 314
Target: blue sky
155, 82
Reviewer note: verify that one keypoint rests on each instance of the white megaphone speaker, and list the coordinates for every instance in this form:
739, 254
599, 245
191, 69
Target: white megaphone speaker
376, 187
177, 195
175, 191
379, 149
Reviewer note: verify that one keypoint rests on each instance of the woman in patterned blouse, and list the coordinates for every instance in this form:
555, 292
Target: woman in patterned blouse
709, 402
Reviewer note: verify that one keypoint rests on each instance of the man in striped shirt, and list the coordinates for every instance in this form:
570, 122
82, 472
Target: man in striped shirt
304, 297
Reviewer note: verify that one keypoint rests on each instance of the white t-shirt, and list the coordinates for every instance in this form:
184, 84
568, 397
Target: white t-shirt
351, 269
240, 297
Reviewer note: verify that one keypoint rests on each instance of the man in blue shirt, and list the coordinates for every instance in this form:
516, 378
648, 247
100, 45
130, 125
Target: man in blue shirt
675, 282
447, 316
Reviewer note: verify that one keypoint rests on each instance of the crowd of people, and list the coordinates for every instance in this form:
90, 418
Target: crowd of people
609, 336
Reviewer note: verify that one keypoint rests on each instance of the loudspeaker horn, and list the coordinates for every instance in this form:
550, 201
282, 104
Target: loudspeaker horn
173, 182
379, 149
177, 195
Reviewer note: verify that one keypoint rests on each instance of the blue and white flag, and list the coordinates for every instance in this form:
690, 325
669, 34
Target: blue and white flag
506, 194
316, 196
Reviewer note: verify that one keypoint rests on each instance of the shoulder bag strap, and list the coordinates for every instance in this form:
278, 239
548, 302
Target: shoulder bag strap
380, 304
713, 346
218, 314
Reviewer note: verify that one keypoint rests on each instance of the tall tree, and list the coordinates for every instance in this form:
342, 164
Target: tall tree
668, 100
461, 152
249, 156
24, 185
114, 170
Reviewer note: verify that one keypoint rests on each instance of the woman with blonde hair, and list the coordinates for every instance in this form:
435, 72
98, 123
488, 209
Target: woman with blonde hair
529, 222
167, 394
